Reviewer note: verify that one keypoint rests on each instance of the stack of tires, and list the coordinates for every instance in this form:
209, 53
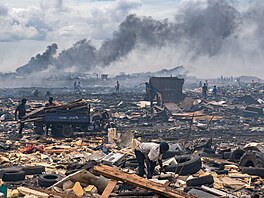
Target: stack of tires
252, 163
14, 174
19, 173
187, 164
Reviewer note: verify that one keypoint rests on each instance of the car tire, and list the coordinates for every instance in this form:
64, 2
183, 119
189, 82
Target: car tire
56, 130
236, 155
170, 154
3, 170
67, 131
33, 170
47, 180
188, 188
253, 171
13, 175
187, 164
252, 159
199, 181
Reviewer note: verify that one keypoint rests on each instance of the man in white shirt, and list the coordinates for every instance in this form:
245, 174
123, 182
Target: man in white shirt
151, 153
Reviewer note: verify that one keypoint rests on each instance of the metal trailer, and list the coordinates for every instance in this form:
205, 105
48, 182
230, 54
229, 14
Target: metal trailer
65, 122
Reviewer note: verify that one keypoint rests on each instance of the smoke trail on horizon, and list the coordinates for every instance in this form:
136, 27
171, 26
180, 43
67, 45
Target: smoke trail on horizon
204, 32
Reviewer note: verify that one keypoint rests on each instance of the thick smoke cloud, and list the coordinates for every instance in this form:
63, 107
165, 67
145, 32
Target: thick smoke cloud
82, 56
202, 30
205, 28
40, 62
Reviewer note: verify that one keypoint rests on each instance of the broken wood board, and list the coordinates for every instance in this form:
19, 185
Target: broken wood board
232, 183
85, 177
217, 160
217, 192
57, 194
198, 115
109, 188
59, 149
186, 104
238, 175
172, 108
36, 193
33, 119
78, 190
134, 179
41, 110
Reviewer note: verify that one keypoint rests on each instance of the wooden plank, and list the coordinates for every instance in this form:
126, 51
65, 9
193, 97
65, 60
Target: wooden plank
58, 151
34, 113
28, 191
57, 194
40, 111
134, 179
217, 160
109, 188
218, 192
84, 177
33, 119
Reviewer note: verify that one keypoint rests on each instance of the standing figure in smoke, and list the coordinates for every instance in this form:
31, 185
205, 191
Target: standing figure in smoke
207, 84
204, 91
200, 84
75, 87
78, 87
214, 91
117, 87
21, 111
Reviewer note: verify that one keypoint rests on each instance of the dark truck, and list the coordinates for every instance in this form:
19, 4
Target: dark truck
66, 122
66, 119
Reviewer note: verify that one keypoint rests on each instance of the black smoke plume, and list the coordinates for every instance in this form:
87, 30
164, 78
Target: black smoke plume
200, 28
40, 62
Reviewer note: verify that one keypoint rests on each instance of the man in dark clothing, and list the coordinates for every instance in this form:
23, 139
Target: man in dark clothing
36, 93
79, 87
117, 87
105, 115
50, 103
75, 87
151, 153
48, 94
200, 84
215, 91
205, 89
21, 110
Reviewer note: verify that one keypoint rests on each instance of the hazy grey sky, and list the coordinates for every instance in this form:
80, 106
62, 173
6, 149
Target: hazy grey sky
28, 26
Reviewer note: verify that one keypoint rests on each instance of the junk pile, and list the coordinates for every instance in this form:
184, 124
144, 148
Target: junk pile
94, 168
216, 146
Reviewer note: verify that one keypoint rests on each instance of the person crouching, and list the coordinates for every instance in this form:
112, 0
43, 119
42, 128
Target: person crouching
150, 153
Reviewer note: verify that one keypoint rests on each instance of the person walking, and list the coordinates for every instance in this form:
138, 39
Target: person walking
20, 112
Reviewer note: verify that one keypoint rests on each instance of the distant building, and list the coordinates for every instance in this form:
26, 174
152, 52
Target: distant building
168, 89
104, 77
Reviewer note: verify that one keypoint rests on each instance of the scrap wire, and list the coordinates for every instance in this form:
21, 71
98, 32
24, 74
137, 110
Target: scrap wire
186, 140
184, 145
207, 127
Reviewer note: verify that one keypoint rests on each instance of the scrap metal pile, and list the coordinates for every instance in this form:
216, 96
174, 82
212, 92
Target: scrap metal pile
216, 146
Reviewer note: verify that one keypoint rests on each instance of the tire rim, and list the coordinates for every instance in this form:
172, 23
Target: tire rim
67, 132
